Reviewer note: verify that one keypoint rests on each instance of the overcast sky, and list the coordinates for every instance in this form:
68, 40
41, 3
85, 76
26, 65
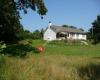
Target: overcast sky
79, 13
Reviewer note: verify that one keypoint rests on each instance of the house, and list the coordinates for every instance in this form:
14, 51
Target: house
54, 32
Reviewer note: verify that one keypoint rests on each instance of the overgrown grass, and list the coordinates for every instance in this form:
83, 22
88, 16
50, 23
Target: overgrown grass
60, 61
43, 67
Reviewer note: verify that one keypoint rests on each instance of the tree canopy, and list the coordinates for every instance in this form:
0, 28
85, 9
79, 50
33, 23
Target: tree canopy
65, 26
9, 16
69, 26
36, 5
95, 30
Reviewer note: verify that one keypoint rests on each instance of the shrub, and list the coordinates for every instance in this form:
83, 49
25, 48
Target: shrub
2, 46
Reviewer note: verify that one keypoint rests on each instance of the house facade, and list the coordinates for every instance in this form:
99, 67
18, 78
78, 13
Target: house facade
54, 32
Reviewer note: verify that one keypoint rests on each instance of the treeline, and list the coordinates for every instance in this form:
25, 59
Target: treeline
10, 35
26, 34
94, 32
72, 27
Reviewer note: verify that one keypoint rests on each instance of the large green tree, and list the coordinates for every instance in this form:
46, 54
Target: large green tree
36, 5
95, 30
9, 16
9, 21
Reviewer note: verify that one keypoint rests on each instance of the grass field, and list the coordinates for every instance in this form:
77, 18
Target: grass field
74, 49
60, 61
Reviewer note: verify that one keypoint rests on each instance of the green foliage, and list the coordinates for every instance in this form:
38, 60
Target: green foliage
95, 30
10, 25
81, 29
42, 32
2, 46
65, 26
35, 5
89, 37
9, 21
73, 27
38, 34
22, 49
25, 34
69, 26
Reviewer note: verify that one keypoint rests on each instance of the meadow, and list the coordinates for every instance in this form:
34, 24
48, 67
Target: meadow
59, 61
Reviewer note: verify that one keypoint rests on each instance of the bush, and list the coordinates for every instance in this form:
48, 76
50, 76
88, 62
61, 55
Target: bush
2, 46
57, 42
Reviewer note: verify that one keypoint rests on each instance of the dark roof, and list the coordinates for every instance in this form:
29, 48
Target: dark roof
65, 29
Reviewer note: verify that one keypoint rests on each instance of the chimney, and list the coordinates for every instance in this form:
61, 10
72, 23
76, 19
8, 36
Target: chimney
49, 24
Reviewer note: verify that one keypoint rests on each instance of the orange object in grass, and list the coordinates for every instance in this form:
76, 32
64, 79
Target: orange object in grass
40, 49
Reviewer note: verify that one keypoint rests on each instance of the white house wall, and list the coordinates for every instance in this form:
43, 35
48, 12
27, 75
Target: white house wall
49, 35
84, 37
77, 36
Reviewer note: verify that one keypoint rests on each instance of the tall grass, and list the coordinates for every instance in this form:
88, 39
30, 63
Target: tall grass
60, 61
43, 67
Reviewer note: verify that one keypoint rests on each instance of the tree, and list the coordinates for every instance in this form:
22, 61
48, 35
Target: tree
73, 27
9, 16
37, 34
95, 30
81, 29
25, 34
35, 5
42, 32
65, 26
9, 21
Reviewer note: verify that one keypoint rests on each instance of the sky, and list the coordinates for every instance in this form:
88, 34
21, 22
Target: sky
78, 13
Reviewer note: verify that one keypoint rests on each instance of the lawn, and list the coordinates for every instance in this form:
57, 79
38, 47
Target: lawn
60, 61
68, 49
